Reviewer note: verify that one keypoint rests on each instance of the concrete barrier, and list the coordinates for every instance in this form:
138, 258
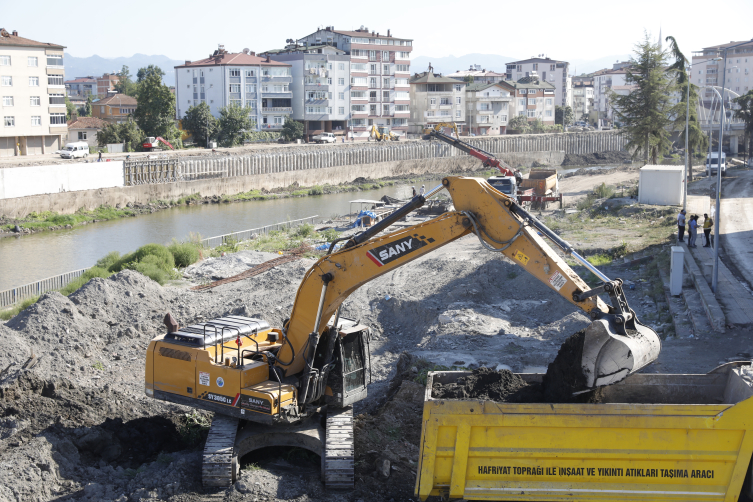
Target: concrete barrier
35, 180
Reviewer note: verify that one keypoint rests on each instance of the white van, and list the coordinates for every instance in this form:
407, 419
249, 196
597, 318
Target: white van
712, 162
75, 150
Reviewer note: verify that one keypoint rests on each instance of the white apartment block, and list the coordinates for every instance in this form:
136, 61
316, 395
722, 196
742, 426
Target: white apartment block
606, 81
320, 86
379, 74
709, 73
583, 98
240, 79
33, 96
488, 107
435, 99
548, 70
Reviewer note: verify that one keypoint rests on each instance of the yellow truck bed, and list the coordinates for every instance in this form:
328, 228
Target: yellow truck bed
693, 442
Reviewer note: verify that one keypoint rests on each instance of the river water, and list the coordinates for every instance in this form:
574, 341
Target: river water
32, 257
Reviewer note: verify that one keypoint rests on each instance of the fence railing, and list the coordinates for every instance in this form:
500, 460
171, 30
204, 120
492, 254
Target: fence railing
243, 235
21, 293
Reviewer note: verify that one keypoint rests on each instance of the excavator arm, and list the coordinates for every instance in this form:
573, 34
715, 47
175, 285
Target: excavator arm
486, 158
503, 227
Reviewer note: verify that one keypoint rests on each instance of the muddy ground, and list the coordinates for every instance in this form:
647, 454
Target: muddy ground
75, 423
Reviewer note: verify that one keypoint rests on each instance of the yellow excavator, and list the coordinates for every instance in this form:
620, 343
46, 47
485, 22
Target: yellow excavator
440, 127
382, 133
294, 384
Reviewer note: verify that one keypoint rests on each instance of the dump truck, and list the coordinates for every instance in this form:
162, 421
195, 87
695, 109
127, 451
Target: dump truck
654, 437
545, 187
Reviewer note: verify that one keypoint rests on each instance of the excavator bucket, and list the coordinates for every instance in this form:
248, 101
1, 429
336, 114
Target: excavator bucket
610, 356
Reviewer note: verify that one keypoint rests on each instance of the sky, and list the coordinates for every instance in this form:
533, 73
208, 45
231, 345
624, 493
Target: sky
191, 29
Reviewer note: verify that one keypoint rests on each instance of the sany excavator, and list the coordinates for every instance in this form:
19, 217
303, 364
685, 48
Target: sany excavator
293, 385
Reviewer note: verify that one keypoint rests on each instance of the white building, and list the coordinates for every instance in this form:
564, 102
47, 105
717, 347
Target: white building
33, 96
488, 107
479, 75
320, 86
379, 74
583, 98
434, 99
606, 81
554, 72
708, 73
241, 79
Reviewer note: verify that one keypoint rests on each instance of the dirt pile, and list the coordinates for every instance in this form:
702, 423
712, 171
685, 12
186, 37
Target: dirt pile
589, 159
565, 374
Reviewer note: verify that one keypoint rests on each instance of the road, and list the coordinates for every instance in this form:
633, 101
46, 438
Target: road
737, 220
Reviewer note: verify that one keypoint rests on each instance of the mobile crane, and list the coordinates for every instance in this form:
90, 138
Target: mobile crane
294, 385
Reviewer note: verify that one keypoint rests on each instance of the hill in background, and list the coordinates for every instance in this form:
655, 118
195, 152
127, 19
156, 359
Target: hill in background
97, 65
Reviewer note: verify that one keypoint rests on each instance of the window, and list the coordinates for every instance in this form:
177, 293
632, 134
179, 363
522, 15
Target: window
33, 81
551, 67
329, 81
7, 100
402, 95
81, 135
385, 69
535, 66
372, 82
372, 55
386, 109
4, 60
402, 108
341, 66
385, 56
548, 101
340, 95
458, 87
386, 95
358, 94
57, 99
341, 81
522, 113
445, 113
548, 113
358, 66
35, 101
521, 102
372, 109
36, 120
357, 108
329, 110
457, 100
432, 101
55, 80
250, 73
522, 92
235, 88
531, 113
250, 88
373, 69
10, 121
503, 118
385, 82
531, 101
7, 81
341, 110
329, 66
457, 114
430, 113
359, 122
53, 60
402, 67
358, 81
277, 120
405, 55
235, 72
33, 61
444, 101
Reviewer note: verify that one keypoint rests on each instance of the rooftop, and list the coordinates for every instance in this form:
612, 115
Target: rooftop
12, 39
532, 82
82, 80
299, 48
86, 123
476, 73
536, 60
223, 57
480, 86
362, 32
117, 100
722, 46
428, 77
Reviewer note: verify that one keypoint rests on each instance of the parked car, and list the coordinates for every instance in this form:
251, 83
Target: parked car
75, 150
325, 137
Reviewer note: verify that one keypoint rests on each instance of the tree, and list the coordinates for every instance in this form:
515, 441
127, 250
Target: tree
149, 71
155, 111
70, 109
200, 122
646, 111
697, 140
126, 132
584, 118
518, 123
468, 79
88, 106
563, 115
292, 130
125, 85
235, 125
745, 113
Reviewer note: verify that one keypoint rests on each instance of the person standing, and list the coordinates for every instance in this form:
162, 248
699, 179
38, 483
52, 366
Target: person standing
693, 231
681, 226
423, 189
100, 157
707, 224
414, 191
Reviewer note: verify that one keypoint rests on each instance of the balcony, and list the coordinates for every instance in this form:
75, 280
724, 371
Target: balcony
316, 101
277, 109
272, 127
274, 95
281, 79
316, 86
374, 100
446, 106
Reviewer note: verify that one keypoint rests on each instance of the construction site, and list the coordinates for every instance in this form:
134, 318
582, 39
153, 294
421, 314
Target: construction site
518, 343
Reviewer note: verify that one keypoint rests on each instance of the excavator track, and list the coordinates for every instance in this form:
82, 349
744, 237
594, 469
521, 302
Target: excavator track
220, 461
338, 461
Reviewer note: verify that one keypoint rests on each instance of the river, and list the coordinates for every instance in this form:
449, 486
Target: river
28, 258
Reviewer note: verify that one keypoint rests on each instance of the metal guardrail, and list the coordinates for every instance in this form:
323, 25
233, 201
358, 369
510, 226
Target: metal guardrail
243, 235
14, 295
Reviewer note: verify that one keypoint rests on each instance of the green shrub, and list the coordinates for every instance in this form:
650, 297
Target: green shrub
329, 234
108, 260
184, 253
163, 255
152, 267
316, 190
604, 191
304, 231
121, 262
90, 274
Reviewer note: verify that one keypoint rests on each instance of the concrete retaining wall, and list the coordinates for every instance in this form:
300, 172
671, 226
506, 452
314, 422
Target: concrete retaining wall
34, 180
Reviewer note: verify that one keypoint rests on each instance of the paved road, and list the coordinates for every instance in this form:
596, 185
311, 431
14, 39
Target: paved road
737, 220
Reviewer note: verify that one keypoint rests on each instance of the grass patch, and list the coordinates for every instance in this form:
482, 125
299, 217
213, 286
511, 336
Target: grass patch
14, 311
98, 366
185, 253
599, 260
193, 427
90, 274
48, 219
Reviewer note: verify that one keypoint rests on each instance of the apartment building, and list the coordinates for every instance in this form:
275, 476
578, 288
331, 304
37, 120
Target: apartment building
554, 72
583, 98
81, 87
379, 77
320, 86
115, 108
434, 99
33, 96
478, 75
106, 84
606, 81
241, 79
535, 98
709, 73
488, 107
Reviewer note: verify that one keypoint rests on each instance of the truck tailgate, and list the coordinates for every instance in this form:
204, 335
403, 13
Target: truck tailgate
692, 443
